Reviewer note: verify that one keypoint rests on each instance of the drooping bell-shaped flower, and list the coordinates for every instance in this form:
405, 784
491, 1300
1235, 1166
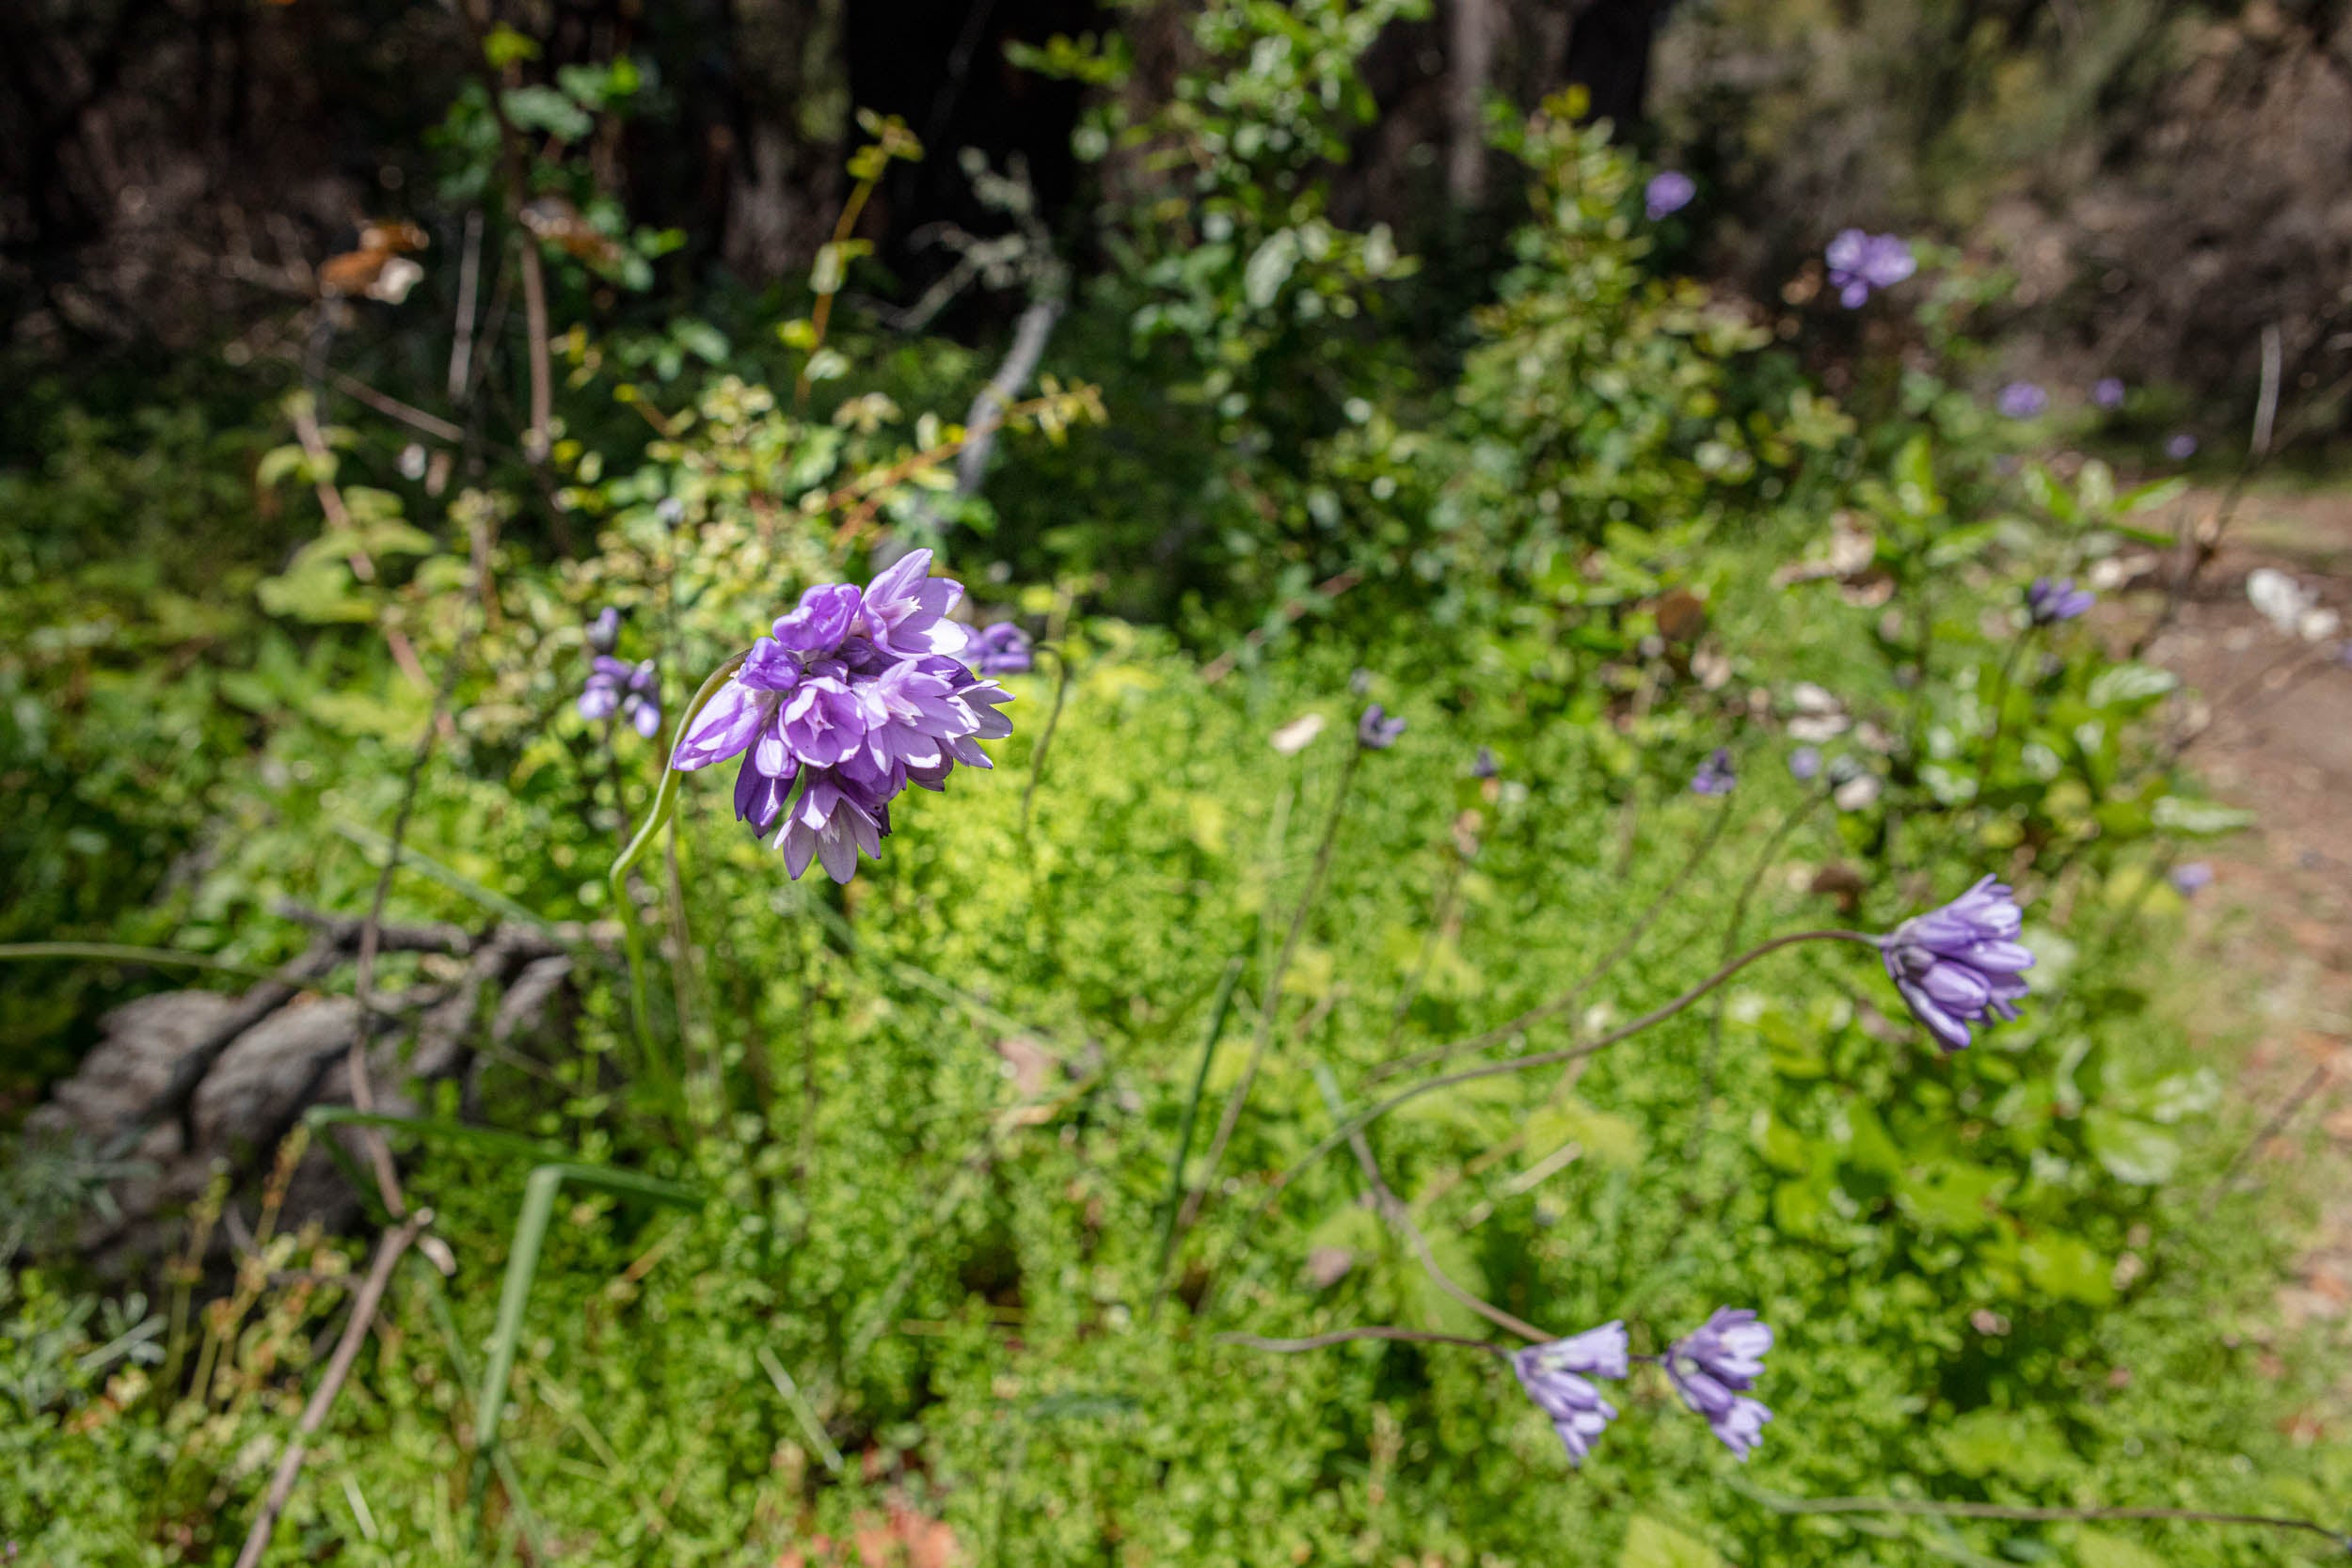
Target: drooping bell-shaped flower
2048, 602
1716, 775
2020, 400
631, 690
1714, 1366
1558, 1376
1376, 731
1961, 964
1002, 649
1860, 262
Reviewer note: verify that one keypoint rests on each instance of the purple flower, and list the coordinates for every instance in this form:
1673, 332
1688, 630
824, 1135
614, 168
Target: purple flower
2180, 447
1714, 1366
631, 690
833, 717
604, 632
1557, 1376
1716, 775
1804, 764
1003, 649
2020, 400
906, 608
2192, 878
2048, 602
1960, 964
2107, 392
821, 621
1376, 731
1484, 766
1669, 191
1860, 262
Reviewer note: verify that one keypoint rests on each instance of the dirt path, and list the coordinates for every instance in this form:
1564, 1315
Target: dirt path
2278, 916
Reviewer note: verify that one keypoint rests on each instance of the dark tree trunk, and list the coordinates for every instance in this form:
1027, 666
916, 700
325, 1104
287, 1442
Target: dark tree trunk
1609, 57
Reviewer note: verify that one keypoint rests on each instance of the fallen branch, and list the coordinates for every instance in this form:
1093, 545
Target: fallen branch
364, 1309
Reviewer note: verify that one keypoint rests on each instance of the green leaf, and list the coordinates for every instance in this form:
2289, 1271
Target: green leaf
1954, 1195
2132, 1151
1651, 1545
2147, 497
1608, 1138
2066, 1266
2130, 686
2199, 819
1269, 268
505, 47
545, 110
317, 590
2023, 1445
1351, 1226
2093, 1549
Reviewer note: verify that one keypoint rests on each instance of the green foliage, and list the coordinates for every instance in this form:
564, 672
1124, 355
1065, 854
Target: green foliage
860, 1204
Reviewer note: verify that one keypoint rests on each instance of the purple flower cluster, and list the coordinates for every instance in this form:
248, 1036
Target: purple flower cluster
1716, 775
1669, 191
1002, 649
2048, 602
1860, 262
631, 690
2107, 392
1376, 731
2020, 400
1714, 1366
1960, 964
853, 698
2180, 447
1558, 1376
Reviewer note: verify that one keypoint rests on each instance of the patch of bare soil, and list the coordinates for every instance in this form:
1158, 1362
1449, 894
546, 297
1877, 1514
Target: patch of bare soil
2276, 924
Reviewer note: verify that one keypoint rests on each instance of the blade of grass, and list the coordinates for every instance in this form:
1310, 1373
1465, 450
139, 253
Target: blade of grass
799, 1405
1219, 1008
437, 1300
523, 1264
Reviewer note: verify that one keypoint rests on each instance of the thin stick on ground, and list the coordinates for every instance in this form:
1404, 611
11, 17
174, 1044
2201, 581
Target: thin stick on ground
389, 1251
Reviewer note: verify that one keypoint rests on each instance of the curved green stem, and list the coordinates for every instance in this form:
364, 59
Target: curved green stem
657, 817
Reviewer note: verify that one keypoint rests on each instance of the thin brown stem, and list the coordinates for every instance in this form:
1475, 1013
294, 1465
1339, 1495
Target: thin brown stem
1392, 1210
1922, 1506
1547, 1058
1369, 1331
389, 1251
1577, 993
